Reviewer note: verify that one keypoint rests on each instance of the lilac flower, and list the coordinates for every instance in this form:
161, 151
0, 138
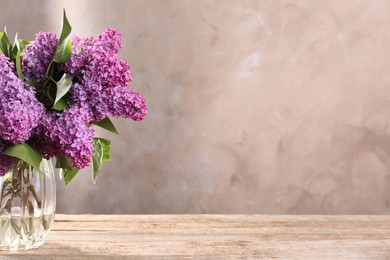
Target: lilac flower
69, 133
106, 70
20, 111
110, 41
99, 90
81, 54
6, 162
101, 78
95, 60
102, 73
40, 142
123, 102
91, 99
38, 55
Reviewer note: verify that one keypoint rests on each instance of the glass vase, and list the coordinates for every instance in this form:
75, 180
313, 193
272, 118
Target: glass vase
28, 202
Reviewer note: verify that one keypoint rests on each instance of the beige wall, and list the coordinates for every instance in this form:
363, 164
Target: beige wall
255, 106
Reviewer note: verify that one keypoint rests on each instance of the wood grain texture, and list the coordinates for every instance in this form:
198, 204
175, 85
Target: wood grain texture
214, 236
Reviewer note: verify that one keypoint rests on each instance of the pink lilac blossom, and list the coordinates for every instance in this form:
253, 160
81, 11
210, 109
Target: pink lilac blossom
20, 111
37, 56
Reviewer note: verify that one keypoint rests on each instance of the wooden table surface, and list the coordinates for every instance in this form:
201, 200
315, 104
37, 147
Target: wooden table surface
214, 237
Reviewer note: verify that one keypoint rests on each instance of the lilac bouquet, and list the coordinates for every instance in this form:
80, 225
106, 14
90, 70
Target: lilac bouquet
53, 91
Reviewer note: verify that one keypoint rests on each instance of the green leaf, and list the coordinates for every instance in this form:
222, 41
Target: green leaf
64, 47
106, 145
69, 174
17, 52
19, 45
26, 153
97, 159
1, 48
16, 47
5, 46
101, 153
63, 162
63, 86
19, 66
61, 104
32, 83
67, 170
107, 124
23, 44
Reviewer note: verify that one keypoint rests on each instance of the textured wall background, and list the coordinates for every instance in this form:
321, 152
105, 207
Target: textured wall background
254, 106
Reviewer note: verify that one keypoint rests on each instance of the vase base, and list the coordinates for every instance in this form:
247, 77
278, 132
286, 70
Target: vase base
18, 233
21, 247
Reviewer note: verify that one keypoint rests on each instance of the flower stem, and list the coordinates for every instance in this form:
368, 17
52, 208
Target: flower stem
36, 197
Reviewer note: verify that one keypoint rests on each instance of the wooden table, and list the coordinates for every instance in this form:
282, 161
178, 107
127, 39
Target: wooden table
213, 237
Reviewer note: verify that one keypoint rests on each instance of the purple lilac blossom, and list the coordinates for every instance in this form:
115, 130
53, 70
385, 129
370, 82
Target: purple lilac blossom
81, 53
69, 133
6, 162
123, 102
37, 56
110, 40
96, 60
40, 142
101, 78
20, 111
99, 90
